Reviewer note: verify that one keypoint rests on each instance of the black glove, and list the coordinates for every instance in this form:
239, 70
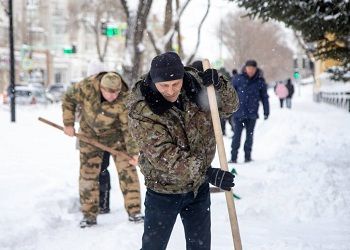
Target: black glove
266, 117
210, 76
220, 178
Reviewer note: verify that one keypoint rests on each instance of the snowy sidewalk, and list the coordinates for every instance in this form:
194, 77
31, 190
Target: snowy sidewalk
295, 195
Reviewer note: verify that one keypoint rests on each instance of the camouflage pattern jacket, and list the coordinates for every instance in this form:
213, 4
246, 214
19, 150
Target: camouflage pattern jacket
177, 145
105, 121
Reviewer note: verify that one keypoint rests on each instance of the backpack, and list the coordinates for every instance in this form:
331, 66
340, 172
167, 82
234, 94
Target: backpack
281, 91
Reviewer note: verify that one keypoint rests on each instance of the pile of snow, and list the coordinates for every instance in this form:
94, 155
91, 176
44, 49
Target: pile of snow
295, 194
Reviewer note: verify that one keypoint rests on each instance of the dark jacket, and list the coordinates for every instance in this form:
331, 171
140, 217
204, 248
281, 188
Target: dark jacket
250, 91
290, 88
176, 145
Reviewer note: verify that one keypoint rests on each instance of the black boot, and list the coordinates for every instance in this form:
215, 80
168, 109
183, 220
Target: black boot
104, 202
87, 222
137, 217
247, 158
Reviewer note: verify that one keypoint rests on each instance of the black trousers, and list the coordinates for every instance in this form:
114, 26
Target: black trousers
161, 211
239, 124
281, 103
105, 181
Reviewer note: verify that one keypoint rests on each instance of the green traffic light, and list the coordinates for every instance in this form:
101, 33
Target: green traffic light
296, 75
68, 51
112, 31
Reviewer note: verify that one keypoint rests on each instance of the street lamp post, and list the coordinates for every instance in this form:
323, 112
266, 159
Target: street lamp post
12, 64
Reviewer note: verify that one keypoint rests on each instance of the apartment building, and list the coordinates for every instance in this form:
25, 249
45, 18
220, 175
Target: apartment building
44, 33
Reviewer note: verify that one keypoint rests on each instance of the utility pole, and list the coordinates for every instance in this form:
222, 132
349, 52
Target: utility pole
296, 73
220, 44
12, 64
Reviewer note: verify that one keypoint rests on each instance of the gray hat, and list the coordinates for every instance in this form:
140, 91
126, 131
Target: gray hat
111, 81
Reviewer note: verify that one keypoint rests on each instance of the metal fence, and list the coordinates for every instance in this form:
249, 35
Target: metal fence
339, 99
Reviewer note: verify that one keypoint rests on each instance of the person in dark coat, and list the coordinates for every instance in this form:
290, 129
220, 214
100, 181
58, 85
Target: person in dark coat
251, 88
290, 88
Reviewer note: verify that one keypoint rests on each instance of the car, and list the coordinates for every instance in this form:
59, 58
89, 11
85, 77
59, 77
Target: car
30, 95
56, 91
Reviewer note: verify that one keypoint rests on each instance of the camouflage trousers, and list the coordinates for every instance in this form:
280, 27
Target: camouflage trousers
90, 167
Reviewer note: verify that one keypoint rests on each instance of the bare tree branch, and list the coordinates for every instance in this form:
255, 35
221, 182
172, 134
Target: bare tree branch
170, 34
242, 37
153, 42
168, 18
90, 16
183, 9
133, 43
125, 7
178, 30
5, 7
199, 34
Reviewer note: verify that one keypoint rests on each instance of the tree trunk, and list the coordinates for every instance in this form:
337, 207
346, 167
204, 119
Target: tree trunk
134, 48
178, 30
167, 24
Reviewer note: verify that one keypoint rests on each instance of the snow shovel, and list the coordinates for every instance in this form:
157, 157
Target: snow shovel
89, 141
214, 190
223, 160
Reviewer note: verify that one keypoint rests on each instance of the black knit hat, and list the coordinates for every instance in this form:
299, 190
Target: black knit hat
252, 63
166, 67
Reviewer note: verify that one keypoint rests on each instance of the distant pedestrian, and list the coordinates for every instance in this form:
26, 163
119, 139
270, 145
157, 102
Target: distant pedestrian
281, 92
290, 88
251, 88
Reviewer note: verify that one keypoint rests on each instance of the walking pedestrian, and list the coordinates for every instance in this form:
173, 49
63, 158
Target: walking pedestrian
281, 92
251, 89
290, 88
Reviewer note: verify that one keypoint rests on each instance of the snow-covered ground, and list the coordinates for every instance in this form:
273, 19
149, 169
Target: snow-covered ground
295, 195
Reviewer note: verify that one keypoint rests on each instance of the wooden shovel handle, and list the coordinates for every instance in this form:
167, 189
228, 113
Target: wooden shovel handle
223, 160
89, 141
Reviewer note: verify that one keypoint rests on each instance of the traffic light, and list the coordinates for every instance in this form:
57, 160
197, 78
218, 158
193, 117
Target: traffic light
295, 63
103, 28
112, 31
296, 75
70, 49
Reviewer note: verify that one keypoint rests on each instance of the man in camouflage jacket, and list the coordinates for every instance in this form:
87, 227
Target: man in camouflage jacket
171, 122
102, 99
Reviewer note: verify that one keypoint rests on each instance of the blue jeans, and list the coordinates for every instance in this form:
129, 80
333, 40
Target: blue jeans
289, 102
161, 211
239, 124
